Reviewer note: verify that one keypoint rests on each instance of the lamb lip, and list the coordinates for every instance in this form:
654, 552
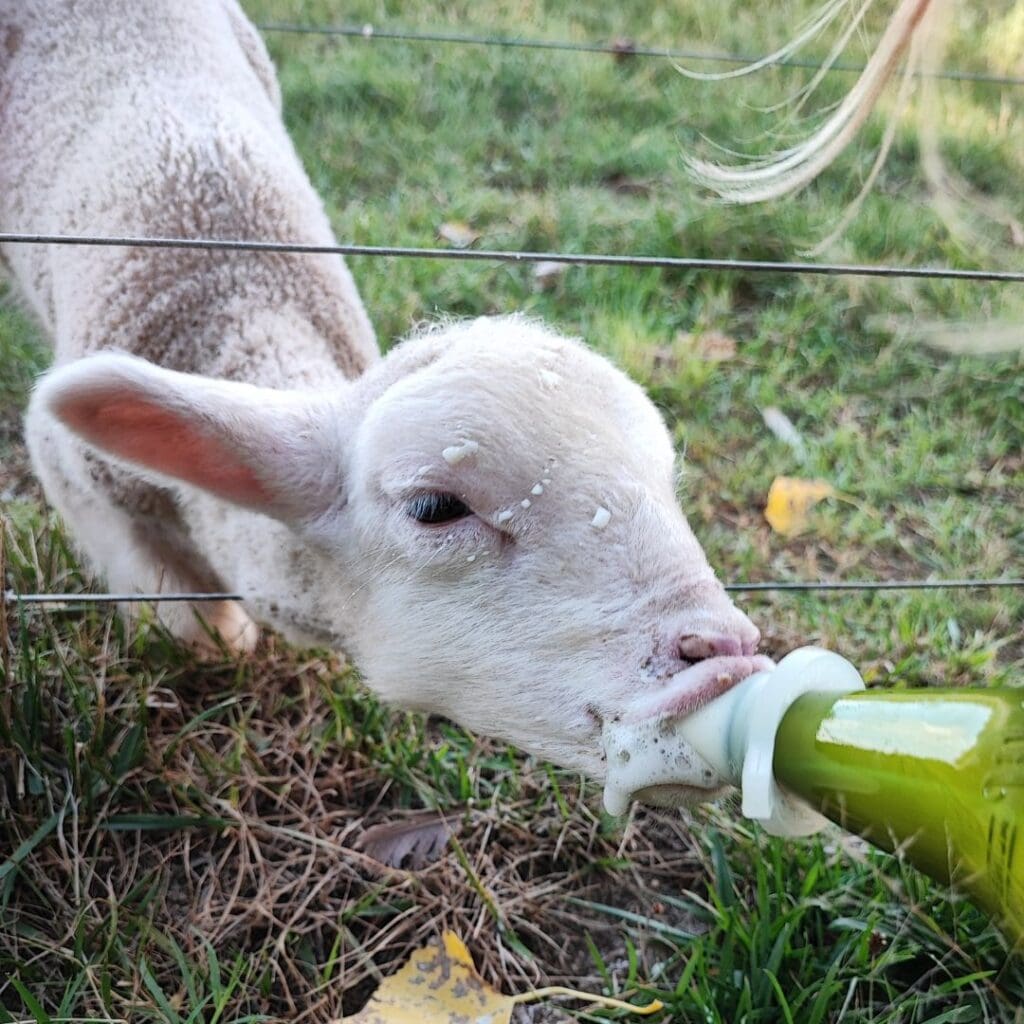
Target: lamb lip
693, 687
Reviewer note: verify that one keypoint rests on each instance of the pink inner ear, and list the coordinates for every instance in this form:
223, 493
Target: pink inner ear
161, 439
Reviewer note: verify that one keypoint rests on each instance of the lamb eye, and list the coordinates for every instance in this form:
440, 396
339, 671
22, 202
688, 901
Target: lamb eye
437, 507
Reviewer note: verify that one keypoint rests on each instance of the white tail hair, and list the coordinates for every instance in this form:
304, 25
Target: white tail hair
791, 169
917, 36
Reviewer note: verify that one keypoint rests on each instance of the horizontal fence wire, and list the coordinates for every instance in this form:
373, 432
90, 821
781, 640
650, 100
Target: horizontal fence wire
514, 256
13, 597
619, 48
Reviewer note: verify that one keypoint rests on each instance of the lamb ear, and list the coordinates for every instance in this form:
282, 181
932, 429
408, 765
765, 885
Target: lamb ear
273, 451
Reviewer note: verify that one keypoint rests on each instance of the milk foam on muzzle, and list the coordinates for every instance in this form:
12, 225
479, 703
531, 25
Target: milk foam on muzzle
730, 741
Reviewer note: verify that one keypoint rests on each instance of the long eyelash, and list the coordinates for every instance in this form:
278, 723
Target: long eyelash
437, 507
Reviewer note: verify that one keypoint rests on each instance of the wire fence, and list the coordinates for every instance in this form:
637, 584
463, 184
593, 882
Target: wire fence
517, 256
619, 48
75, 598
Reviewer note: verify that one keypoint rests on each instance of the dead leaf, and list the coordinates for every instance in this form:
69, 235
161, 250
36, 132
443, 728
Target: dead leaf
412, 843
664, 360
623, 47
625, 185
547, 274
457, 233
711, 346
789, 501
440, 985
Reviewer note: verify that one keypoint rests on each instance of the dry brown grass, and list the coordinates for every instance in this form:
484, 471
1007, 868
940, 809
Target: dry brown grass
264, 776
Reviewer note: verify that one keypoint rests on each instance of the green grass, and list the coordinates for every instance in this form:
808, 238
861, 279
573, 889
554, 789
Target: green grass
173, 834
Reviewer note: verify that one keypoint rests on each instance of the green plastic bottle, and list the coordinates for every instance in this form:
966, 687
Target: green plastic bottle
937, 773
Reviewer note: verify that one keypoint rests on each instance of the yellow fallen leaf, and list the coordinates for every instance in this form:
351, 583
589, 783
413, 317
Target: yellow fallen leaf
439, 985
789, 501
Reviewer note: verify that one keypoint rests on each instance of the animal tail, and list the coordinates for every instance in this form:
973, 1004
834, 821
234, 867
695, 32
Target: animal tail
915, 36
790, 169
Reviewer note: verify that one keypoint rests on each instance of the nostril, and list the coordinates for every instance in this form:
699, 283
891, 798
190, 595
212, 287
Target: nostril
697, 647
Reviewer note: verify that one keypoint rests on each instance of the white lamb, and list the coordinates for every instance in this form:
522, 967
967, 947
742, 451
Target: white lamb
485, 519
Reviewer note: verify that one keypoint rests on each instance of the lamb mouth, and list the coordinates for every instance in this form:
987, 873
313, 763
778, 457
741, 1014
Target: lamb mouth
697, 685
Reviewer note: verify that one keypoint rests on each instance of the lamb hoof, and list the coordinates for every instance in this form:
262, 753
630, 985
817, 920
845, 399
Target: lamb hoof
224, 625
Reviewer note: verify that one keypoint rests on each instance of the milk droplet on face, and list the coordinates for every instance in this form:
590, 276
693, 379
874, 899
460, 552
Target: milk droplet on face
602, 517
471, 558
537, 489
454, 454
504, 515
526, 503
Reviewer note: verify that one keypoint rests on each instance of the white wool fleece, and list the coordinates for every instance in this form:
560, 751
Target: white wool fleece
485, 519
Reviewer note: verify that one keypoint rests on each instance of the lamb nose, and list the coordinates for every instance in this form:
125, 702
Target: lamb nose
697, 647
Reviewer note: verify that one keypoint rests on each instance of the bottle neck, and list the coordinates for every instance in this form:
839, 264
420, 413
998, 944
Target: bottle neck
729, 741
737, 733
